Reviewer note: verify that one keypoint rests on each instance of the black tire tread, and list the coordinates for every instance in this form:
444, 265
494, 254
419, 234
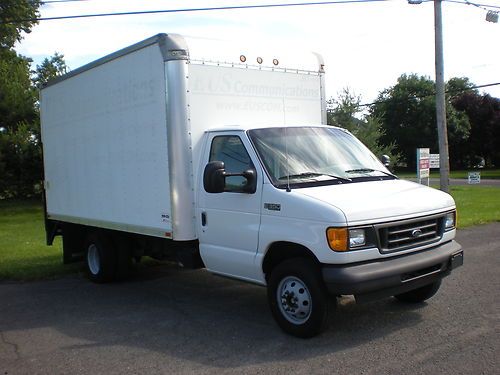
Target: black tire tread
308, 272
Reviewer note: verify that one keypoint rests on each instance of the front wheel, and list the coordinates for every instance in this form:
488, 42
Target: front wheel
298, 298
420, 294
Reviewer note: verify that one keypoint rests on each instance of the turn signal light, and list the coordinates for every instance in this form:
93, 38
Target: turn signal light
337, 239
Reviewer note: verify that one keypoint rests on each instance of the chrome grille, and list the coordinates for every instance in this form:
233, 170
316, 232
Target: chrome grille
406, 234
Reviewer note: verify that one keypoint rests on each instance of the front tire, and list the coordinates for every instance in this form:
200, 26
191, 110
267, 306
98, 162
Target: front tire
298, 298
420, 294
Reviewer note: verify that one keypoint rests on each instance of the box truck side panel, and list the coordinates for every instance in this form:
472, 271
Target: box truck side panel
105, 145
227, 96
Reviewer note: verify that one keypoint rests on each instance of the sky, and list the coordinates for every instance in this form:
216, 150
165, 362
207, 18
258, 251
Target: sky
366, 46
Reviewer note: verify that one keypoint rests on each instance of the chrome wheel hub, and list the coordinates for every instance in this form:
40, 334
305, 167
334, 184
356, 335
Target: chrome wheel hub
294, 300
93, 260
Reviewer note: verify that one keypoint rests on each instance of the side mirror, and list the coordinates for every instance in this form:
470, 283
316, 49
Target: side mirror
386, 160
214, 177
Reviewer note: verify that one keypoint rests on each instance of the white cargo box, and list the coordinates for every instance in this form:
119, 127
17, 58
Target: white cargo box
122, 135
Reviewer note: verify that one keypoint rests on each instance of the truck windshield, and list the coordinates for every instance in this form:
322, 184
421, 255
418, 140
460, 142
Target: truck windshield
305, 156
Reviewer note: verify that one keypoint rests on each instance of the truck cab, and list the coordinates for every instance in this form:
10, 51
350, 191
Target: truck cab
309, 211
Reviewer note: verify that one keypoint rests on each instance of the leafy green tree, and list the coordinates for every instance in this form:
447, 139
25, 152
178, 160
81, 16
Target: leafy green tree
16, 17
20, 144
407, 111
50, 68
459, 126
20, 163
346, 112
17, 96
20, 151
483, 112
343, 110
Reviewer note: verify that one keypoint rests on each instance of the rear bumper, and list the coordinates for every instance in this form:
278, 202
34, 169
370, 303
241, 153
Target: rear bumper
390, 276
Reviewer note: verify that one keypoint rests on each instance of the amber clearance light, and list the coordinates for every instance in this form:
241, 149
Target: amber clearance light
337, 239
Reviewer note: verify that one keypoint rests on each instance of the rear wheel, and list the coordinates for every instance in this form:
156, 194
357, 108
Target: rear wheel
298, 298
100, 258
419, 295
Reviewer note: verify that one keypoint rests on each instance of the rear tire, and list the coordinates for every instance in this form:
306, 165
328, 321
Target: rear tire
298, 298
100, 258
420, 294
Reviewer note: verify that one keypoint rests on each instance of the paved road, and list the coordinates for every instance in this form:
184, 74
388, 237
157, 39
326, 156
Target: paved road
463, 182
176, 321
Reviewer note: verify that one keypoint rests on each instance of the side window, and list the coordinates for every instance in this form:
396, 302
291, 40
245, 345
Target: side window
232, 152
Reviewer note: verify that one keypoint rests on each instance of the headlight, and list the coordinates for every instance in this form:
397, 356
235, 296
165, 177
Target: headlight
357, 238
450, 220
343, 239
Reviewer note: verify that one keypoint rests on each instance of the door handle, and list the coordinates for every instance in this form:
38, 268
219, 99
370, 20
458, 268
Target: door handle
203, 219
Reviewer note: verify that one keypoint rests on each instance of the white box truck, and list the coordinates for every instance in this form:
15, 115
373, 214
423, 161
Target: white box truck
221, 158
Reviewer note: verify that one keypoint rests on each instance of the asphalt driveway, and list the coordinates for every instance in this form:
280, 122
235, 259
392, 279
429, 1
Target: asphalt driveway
168, 320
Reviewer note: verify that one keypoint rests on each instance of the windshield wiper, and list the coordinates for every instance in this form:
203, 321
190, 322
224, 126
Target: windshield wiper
312, 175
369, 170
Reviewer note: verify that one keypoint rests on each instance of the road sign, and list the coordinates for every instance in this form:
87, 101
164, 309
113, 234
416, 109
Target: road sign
474, 178
423, 164
434, 161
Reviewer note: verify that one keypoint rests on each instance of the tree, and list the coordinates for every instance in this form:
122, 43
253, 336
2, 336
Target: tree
17, 96
459, 126
20, 163
16, 17
346, 112
20, 151
483, 112
50, 68
408, 114
20, 144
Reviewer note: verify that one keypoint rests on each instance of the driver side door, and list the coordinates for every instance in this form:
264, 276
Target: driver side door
229, 222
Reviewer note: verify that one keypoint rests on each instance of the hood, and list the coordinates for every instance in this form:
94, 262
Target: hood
374, 201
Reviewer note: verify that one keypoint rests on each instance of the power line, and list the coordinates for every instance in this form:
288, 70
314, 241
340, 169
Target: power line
466, 2
238, 7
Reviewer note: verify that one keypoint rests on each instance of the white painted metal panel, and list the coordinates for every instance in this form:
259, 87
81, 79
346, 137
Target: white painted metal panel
105, 145
227, 96
180, 151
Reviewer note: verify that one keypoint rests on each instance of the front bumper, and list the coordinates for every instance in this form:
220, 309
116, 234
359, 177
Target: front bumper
390, 276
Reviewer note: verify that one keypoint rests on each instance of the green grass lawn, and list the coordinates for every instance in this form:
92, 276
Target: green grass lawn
24, 255
476, 204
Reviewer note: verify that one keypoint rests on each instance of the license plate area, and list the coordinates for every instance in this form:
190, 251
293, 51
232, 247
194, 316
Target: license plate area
457, 260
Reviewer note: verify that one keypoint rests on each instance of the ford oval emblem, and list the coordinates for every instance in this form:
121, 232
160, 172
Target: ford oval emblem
416, 233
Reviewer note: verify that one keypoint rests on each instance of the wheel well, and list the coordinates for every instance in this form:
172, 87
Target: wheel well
280, 251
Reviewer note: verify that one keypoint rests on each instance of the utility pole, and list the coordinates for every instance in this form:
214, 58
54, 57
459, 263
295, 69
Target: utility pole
444, 161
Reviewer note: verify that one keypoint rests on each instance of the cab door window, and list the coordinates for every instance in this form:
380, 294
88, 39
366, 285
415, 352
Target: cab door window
230, 150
